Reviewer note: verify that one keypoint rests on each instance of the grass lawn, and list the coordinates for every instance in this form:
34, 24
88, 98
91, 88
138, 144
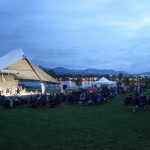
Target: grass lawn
111, 126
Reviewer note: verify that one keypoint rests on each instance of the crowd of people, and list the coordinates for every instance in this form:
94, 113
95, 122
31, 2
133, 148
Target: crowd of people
50, 100
89, 97
137, 100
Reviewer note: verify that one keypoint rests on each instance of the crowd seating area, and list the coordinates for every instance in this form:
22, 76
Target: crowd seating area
50, 100
137, 102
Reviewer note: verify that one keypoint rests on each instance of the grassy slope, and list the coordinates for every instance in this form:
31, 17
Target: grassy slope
110, 126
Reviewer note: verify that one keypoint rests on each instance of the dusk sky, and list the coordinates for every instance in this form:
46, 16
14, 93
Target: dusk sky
78, 34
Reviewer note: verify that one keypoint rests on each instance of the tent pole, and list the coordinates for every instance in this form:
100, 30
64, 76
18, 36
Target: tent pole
33, 69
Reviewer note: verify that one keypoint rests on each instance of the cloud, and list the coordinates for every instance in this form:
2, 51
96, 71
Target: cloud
108, 34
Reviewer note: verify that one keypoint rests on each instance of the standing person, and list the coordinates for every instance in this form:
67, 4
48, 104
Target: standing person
0, 90
18, 90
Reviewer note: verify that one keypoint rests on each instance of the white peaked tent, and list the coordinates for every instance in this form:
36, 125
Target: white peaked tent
16, 63
17, 66
104, 81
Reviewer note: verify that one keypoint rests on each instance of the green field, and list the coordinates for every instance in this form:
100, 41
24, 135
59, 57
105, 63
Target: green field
111, 126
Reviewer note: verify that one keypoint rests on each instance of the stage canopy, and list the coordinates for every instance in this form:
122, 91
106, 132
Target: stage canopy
17, 64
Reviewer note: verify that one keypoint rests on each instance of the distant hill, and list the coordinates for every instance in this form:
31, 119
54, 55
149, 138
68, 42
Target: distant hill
144, 74
90, 71
61, 70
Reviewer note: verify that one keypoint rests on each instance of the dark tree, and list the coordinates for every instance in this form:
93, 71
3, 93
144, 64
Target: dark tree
120, 76
50, 72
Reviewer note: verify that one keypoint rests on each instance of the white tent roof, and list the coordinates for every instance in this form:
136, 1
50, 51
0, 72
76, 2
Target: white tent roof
103, 80
10, 58
16, 63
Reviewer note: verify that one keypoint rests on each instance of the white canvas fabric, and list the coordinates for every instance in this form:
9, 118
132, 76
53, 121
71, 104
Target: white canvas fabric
15, 63
10, 58
103, 80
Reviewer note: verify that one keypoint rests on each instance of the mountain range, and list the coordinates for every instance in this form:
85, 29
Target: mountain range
90, 71
145, 74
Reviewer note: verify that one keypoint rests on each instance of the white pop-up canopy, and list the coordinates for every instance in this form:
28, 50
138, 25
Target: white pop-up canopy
17, 64
104, 81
